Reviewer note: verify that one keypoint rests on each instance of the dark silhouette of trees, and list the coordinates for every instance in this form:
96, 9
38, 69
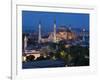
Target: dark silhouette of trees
78, 54
30, 58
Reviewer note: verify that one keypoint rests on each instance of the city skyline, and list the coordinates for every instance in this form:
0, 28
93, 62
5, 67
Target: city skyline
31, 20
55, 39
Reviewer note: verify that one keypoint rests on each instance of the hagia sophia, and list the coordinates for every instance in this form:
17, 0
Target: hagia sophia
62, 33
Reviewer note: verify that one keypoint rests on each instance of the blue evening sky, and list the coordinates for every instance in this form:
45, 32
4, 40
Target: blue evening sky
31, 19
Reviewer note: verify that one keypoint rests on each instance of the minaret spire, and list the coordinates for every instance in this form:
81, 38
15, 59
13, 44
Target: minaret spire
39, 35
25, 43
54, 30
83, 39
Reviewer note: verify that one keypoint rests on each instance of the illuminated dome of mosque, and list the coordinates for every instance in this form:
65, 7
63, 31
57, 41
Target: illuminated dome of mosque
63, 29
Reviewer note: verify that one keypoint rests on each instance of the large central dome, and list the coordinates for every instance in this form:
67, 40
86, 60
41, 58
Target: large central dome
63, 29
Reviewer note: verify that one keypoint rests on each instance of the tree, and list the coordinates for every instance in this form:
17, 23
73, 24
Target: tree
30, 58
78, 54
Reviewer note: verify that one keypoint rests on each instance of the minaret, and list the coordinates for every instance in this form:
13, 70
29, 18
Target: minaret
25, 43
39, 35
55, 31
83, 38
70, 28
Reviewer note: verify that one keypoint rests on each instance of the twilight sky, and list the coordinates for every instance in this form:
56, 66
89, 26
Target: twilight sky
31, 19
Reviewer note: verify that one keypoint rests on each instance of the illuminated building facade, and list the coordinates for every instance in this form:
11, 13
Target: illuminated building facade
63, 34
